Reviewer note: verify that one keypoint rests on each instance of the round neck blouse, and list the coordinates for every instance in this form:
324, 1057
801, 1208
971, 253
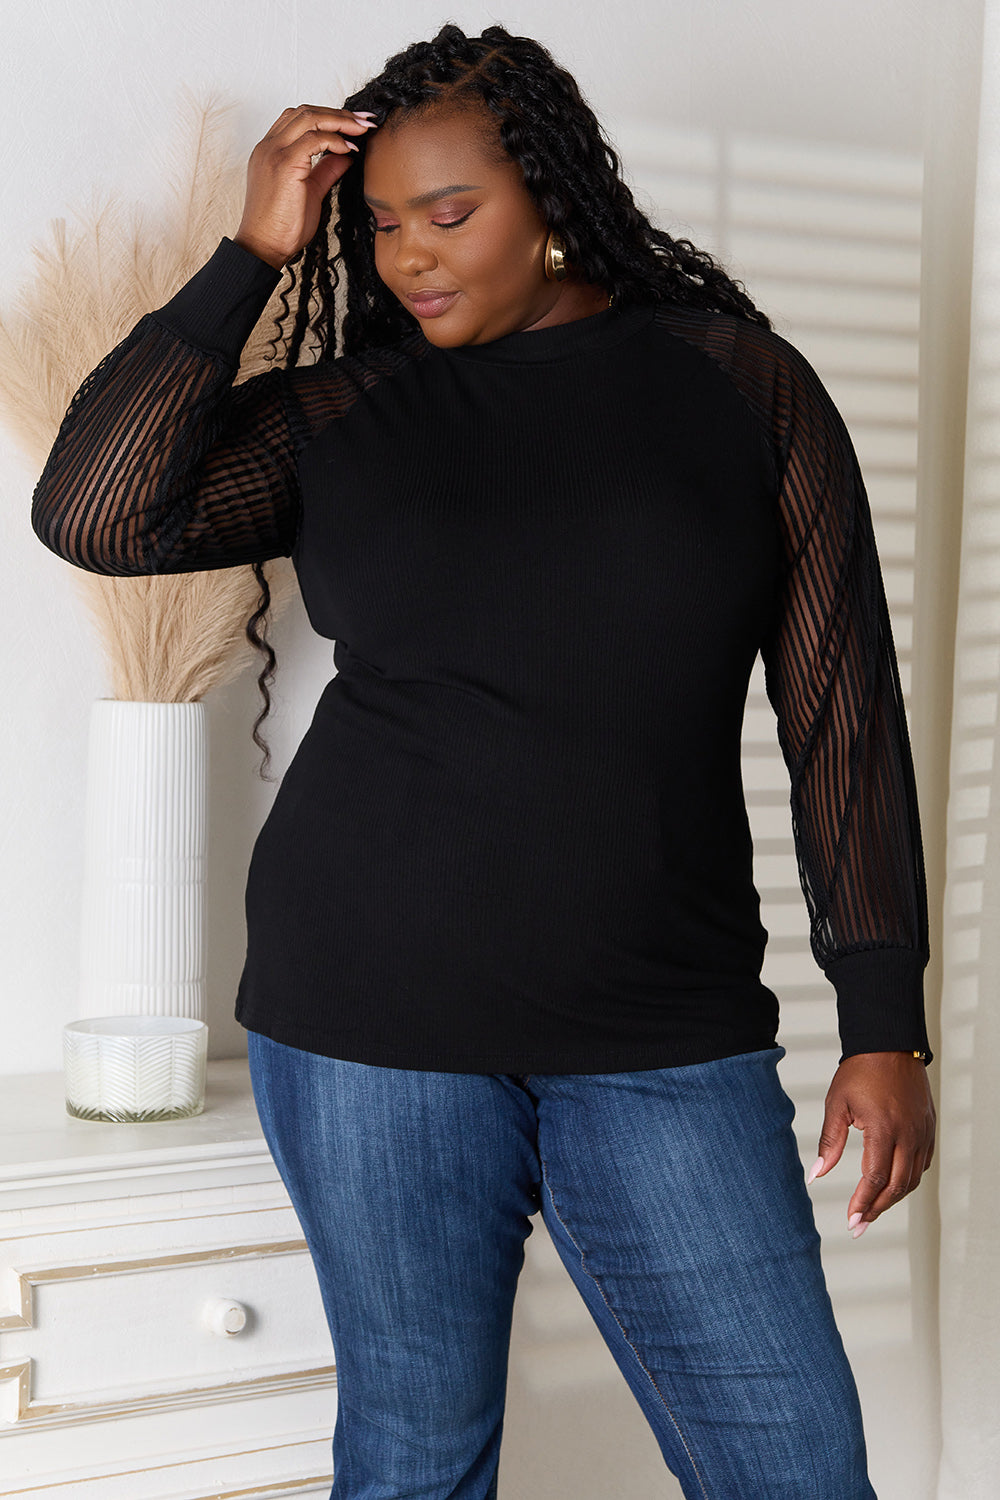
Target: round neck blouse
514, 836
559, 341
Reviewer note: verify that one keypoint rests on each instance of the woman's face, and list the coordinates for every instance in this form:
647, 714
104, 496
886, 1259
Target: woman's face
449, 219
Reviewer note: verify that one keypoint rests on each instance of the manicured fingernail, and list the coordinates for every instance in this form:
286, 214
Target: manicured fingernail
362, 114
859, 1231
817, 1167
854, 1220
350, 146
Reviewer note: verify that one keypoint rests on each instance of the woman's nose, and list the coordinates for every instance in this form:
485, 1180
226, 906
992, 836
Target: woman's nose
413, 256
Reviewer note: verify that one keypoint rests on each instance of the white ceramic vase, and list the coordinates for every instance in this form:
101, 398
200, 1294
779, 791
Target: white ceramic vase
142, 949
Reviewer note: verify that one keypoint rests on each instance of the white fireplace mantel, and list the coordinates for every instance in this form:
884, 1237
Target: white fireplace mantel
49, 1157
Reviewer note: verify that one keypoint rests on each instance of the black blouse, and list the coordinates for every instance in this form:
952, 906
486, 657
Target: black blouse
514, 837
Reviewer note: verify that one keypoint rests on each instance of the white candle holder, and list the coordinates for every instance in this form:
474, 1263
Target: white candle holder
135, 1068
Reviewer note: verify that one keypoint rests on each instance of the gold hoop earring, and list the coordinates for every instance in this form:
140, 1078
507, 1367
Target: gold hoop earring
555, 258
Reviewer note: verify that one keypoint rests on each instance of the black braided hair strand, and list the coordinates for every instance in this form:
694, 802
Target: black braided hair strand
258, 638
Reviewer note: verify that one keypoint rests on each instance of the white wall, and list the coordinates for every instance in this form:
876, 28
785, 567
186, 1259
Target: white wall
89, 101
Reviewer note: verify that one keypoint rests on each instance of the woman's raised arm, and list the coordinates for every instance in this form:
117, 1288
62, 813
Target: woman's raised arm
160, 466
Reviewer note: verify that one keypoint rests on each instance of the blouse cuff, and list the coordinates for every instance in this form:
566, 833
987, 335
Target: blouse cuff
219, 307
880, 1001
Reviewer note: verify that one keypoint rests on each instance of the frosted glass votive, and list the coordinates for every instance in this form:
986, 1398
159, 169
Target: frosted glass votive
135, 1068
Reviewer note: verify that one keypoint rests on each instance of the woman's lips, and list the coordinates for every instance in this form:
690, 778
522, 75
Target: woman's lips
430, 304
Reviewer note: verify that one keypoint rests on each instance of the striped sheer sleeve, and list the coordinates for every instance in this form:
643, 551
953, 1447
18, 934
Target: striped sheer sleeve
160, 466
832, 678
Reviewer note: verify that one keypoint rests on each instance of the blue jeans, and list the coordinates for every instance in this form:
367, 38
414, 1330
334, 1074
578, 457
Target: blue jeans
677, 1201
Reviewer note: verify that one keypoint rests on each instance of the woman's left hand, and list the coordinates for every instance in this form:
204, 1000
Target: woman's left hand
887, 1096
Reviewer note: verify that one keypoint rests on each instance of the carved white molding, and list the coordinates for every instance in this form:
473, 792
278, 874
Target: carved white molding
17, 1405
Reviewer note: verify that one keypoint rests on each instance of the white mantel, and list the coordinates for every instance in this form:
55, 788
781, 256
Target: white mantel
49, 1157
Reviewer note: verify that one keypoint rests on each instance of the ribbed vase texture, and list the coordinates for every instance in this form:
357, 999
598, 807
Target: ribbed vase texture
142, 946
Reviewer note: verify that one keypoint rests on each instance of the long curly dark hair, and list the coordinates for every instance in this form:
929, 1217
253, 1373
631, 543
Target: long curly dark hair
572, 172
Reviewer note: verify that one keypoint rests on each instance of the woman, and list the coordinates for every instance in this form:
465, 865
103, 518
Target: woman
560, 486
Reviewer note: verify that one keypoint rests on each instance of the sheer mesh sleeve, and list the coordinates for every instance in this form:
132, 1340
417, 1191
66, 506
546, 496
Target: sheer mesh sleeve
160, 466
833, 680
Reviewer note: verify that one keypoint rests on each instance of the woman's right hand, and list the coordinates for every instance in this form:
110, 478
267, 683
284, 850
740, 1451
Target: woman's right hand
285, 191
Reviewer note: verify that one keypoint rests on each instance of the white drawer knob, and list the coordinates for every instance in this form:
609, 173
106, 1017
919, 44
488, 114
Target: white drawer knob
225, 1317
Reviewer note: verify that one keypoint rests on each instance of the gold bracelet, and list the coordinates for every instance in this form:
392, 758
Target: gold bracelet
921, 1055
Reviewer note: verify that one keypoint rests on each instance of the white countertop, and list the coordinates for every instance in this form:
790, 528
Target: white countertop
47, 1155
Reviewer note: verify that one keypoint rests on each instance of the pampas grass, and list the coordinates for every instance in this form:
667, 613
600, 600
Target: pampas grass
167, 638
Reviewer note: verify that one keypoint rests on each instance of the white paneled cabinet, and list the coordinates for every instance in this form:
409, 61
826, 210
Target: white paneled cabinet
161, 1328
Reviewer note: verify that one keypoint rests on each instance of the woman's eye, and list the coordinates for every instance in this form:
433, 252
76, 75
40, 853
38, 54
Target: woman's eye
438, 223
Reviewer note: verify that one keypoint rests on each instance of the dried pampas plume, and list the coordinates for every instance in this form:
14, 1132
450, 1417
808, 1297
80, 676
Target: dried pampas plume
168, 638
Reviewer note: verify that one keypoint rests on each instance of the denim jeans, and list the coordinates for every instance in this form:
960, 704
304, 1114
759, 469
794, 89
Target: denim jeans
677, 1201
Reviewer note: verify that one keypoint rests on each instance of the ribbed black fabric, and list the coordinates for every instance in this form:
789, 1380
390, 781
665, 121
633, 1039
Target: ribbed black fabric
514, 837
